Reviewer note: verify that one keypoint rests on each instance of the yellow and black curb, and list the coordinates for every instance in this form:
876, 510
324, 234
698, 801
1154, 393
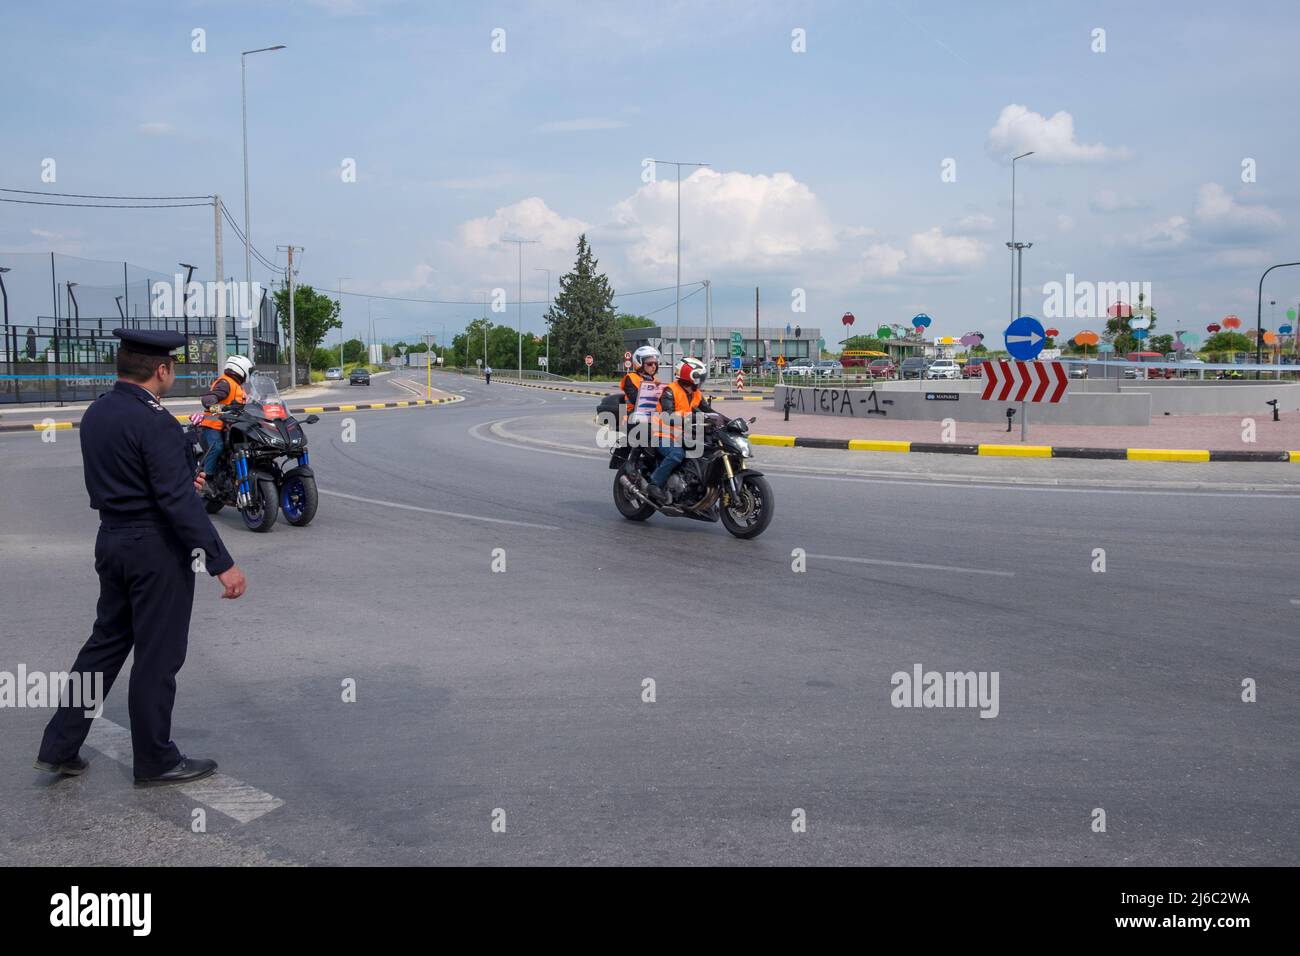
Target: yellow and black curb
589, 391
307, 410
1025, 451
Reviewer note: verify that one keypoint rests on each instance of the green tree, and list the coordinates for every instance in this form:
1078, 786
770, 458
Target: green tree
354, 350
324, 358
468, 345
1120, 333
625, 321
582, 318
866, 342
1164, 344
1221, 345
314, 316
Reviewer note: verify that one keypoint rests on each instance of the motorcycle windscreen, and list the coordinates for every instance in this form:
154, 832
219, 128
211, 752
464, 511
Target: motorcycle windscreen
262, 390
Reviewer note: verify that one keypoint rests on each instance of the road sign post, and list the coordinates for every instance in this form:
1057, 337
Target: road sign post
590, 361
1026, 383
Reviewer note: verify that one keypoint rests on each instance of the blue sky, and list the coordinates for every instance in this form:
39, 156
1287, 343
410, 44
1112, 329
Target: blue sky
825, 165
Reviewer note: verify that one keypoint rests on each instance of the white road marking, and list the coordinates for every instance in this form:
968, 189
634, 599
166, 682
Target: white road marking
912, 564
221, 792
435, 511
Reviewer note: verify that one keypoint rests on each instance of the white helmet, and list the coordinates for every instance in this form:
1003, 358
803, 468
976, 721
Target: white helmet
643, 354
241, 365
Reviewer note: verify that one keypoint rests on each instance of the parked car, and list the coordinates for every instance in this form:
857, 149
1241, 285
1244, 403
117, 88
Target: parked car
359, 376
1078, 371
800, 368
830, 368
913, 367
943, 368
882, 368
334, 375
973, 368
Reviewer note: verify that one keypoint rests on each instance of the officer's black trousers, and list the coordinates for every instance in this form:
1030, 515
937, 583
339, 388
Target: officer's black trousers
146, 593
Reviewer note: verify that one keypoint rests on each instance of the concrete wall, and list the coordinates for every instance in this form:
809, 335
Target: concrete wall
905, 401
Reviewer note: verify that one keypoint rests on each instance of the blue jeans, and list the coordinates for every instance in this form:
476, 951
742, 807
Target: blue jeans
215, 440
673, 456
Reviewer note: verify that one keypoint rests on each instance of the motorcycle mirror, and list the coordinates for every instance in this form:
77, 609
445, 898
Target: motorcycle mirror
753, 418
312, 419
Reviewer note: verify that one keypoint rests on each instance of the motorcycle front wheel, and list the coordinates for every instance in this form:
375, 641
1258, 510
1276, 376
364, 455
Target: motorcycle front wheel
749, 516
261, 514
298, 499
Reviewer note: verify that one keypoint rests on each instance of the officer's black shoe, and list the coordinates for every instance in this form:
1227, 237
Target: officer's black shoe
657, 494
187, 771
69, 768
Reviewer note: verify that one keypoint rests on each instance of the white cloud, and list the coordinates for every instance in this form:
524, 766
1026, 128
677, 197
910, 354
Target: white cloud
977, 222
1223, 219
933, 253
1065, 223
732, 219
882, 260
156, 128
1162, 236
527, 219
580, 125
1019, 130
1107, 200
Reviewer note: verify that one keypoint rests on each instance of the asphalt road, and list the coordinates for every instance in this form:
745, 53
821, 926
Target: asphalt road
521, 691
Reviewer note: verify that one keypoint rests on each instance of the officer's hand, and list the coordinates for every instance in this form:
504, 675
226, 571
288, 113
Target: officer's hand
199, 481
233, 580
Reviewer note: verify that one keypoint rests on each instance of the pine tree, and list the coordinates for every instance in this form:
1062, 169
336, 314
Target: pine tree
582, 319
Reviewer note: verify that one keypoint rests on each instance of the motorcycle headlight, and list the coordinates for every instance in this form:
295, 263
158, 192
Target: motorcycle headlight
742, 444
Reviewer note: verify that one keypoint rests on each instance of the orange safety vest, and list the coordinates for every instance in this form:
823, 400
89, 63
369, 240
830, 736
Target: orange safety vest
683, 405
636, 380
210, 420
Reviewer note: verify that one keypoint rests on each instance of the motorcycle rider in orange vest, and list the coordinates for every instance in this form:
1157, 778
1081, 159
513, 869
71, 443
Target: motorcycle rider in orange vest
679, 400
226, 390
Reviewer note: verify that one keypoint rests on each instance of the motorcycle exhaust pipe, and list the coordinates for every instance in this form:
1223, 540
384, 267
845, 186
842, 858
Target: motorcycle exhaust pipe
633, 490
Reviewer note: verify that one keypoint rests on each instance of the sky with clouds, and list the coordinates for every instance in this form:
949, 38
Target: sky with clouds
827, 167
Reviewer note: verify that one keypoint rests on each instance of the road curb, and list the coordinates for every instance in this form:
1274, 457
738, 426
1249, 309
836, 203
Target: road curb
1198, 455
306, 410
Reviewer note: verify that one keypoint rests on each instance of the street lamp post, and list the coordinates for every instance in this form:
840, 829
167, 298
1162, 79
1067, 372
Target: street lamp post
677, 333
1015, 250
4, 294
1259, 310
519, 244
248, 226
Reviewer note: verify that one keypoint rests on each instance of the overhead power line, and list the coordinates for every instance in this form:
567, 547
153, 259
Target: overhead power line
92, 205
397, 298
41, 192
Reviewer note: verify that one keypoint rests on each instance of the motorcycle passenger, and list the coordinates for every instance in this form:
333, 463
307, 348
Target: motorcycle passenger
645, 366
678, 402
225, 391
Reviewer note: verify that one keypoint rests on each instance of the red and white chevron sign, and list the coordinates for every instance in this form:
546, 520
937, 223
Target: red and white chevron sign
1015, 381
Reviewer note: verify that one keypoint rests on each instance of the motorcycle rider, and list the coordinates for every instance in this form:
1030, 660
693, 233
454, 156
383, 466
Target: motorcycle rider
679, 400
226, 390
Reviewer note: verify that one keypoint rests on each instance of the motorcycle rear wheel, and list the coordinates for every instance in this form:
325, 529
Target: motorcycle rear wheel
749, 517
629, 507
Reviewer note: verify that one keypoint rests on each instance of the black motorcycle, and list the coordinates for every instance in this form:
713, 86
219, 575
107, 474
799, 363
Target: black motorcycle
716, 485
264, 468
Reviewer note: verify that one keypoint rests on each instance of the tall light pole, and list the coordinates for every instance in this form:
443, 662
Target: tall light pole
677, 334
1259, 309
1015, 250
520, 243
248, 226
548, 307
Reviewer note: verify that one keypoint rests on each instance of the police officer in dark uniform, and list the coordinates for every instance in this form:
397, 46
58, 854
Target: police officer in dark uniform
153, 531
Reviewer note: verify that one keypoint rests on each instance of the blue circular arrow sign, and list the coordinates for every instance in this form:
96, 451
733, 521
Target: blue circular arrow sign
1025, 338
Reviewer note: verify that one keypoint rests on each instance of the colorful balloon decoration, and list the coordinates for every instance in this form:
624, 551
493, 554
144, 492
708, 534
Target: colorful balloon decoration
1213, 327
1270, 337
884, 332
1120, 310
1140, 334
1087, 337
1231, 322
1051, 333
847, 318
1140, 322
1284, 329
921, 321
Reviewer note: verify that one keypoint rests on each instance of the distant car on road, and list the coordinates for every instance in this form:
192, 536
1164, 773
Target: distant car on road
359, 376
882, 368
973, 368
943, 368
801, 368
913, 367
830, 368
1078, 371
334, 375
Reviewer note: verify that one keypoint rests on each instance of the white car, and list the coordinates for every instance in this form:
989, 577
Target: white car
802, 369
943, 368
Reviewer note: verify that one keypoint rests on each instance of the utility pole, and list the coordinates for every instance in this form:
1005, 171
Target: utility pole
341, 278
756, 335
220, 318
677, 334
708, 325
293, 331
548, 308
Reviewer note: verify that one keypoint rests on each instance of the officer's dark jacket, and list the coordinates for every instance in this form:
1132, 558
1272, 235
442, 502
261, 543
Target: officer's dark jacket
139, 472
